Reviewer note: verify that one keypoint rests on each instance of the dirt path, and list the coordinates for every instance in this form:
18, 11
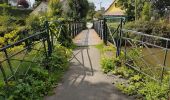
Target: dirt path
85, 80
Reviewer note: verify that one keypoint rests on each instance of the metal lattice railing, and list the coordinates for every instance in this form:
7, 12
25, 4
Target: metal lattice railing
147, 54
16, 59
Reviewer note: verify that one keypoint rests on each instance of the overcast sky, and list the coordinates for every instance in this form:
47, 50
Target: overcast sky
104, 3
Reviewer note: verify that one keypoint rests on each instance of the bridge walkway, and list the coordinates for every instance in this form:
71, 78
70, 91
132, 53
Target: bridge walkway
85, 80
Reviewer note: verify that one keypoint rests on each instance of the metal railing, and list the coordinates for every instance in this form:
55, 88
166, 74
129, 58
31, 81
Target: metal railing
147, 54
17, 58
100, 27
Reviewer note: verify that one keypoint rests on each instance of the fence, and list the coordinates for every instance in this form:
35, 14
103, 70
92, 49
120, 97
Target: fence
101, 28
17, 58
147, 54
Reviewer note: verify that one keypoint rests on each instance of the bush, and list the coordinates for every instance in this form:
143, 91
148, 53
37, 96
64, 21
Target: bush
13, 11
39, 81
107, 64
33, 23
158, 28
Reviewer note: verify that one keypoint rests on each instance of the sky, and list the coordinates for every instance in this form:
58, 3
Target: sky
104, 3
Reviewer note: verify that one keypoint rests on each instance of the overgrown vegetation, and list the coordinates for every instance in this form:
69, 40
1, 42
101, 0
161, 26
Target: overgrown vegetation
43, 77
40, 80
134, 84
13, 11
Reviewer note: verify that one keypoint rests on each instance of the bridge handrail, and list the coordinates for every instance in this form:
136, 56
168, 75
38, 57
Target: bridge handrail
22, 40
144, 34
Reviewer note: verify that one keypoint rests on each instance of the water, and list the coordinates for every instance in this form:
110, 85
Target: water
155, 56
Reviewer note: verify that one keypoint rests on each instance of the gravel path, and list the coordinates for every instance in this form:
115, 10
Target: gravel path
85, 80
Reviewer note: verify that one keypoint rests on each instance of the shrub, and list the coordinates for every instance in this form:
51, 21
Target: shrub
39, 80
33, 23
107, 64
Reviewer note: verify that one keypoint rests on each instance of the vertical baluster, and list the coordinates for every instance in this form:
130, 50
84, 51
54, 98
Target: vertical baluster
4, 75
48, 38
9, 63
165, 60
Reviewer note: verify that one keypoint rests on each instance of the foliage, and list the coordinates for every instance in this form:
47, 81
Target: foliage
107, 64
161, 6
59, 60
129, 5
76, 9
136, 84
39, 80
98, 15
91, 11
158, 28
154, 91
55, 8
146, 11
33, 22
141, 85
9, 38
64, 37
13, 11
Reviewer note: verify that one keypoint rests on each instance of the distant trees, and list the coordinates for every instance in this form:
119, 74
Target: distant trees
136, 8
142, 8
4, 1
146, 11
76, 9
55, 8
91, 11
161, 5
98, 14
129, 7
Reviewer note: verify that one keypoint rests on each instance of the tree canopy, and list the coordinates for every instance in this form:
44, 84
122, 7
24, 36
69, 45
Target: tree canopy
55, 8
91, 11
161, 5
76, 9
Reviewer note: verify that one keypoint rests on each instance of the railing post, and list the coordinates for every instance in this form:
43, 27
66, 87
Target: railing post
48, 38
119, 40
101, 28
164, 63
71, 25
105, 31
4, 75
9, 63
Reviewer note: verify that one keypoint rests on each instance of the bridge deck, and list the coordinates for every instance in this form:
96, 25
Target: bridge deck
85, 80
87, 38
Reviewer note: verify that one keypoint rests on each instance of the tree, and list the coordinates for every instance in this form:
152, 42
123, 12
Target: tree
91, 11
98, 15
146, 11
55, 8
129, 7
132, 7
161, 5
76, 9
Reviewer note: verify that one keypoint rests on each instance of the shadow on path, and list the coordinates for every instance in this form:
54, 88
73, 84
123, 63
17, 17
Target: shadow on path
84, 80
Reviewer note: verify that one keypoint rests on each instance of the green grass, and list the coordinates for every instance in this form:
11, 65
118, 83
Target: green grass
23, 65
41, 78
100, 46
